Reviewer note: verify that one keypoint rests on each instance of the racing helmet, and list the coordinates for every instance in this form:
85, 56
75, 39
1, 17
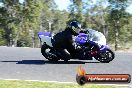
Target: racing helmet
75, 26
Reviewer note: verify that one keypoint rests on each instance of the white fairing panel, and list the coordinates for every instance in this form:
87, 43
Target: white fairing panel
97, 37
46, 39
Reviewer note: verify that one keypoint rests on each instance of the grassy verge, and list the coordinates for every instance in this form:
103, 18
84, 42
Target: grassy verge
28, 84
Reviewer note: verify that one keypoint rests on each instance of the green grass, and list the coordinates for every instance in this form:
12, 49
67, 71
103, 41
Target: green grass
29, 84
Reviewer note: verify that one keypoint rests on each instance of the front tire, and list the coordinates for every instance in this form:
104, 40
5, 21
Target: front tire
45, 50
105, 57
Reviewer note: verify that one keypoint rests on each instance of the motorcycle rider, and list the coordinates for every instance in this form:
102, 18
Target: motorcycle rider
63, 41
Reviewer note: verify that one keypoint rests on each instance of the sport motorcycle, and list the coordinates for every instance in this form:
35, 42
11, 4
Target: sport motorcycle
88, 50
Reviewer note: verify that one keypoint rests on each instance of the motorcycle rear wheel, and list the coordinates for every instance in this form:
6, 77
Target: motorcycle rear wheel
45, 50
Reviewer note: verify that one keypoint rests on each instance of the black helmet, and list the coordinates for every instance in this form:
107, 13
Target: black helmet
75, 26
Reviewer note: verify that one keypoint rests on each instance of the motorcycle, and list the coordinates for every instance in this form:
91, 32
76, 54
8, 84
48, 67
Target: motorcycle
87, 49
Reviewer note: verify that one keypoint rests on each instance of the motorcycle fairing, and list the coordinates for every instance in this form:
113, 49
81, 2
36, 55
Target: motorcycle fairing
45, 37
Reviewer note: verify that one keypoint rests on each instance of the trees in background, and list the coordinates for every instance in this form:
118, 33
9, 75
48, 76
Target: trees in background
108, 16
118, 18
9, 21
76, 10
20, 22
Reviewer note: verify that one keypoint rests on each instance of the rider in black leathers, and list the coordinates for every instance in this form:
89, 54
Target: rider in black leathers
63, 41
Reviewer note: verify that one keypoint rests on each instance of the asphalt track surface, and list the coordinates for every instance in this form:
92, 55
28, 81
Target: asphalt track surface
29, 64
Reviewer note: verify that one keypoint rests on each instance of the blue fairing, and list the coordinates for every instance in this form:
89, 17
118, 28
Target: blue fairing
104, 47
44, 33
81, 38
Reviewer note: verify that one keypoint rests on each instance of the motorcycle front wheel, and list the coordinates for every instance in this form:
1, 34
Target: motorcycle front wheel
105, 57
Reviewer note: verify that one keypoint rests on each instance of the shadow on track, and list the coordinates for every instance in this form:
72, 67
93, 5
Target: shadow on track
42, 62
37, 62
69, 62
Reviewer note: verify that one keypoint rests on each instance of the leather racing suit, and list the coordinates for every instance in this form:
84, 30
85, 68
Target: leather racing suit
63, 41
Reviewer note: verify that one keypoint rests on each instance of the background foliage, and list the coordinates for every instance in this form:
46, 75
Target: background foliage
20, 22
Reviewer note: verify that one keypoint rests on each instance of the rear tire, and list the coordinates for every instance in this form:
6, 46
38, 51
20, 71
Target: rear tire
66, 60
47, 54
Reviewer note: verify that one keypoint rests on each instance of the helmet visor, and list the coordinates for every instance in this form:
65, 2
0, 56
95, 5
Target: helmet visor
77, 30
